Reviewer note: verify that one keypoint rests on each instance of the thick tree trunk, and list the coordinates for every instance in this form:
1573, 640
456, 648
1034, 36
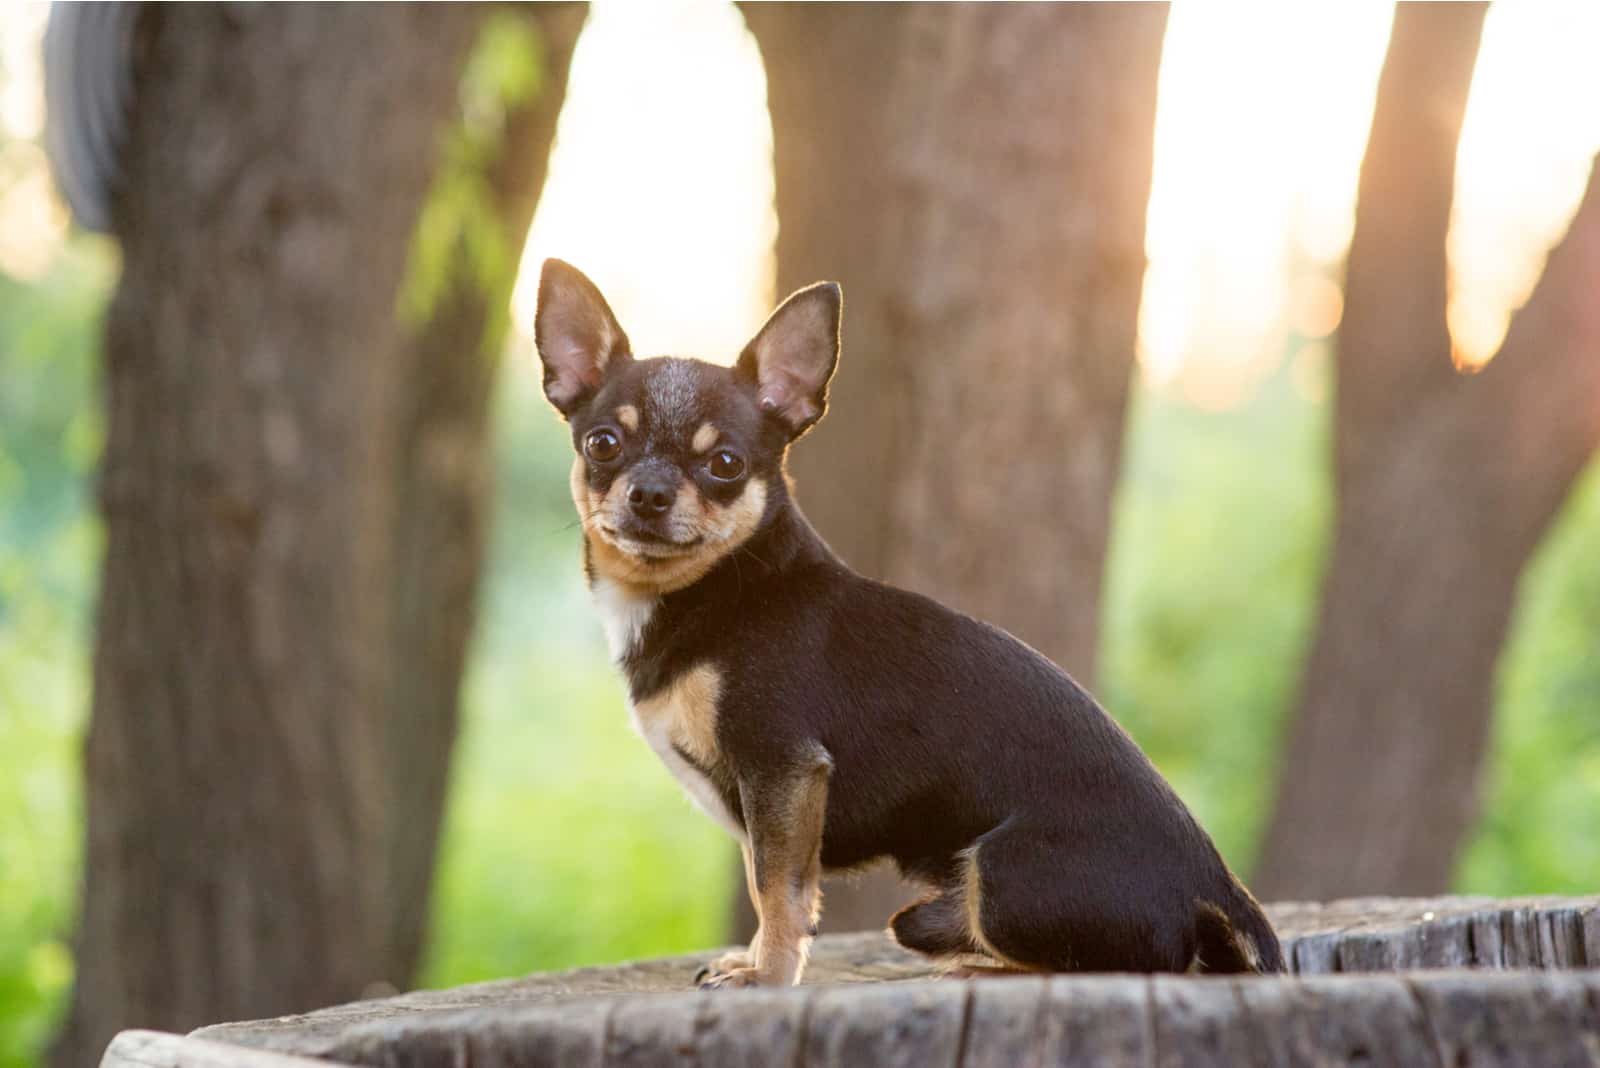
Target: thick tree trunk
275, 434
1445, 485
976, 176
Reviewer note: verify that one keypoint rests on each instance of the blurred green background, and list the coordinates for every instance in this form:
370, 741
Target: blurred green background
567, 843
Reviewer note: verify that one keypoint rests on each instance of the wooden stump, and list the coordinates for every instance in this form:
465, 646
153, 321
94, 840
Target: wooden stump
1436, 991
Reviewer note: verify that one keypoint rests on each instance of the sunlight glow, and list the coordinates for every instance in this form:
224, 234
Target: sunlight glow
33, 221
1261, 122
22, 87
1531, 133
660, 184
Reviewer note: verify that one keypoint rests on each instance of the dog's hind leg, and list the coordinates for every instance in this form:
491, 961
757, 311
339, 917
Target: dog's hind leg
936, 925
1036, 904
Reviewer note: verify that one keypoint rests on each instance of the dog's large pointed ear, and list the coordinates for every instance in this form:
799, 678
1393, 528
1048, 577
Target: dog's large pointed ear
793, 356
578, 338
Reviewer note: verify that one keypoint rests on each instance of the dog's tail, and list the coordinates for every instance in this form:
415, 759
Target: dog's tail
1234, 937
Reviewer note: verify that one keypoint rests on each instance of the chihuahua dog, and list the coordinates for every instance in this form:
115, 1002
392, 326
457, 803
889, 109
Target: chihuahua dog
827, 720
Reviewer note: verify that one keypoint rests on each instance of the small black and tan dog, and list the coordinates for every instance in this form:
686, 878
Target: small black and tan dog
827, 720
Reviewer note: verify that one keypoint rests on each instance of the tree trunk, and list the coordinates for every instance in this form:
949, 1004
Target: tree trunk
1445, 485
442, 502
976, 176
281, 450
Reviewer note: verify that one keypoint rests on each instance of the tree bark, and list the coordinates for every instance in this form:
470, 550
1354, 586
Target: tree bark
291, 476
976, 176
1445, 485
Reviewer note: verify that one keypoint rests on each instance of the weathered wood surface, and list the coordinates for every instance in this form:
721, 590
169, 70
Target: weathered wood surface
156, 1049
861, 1006
1391, 934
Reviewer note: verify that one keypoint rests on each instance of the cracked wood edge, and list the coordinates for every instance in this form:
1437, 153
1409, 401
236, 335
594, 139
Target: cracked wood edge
1490, 1018
635, 1013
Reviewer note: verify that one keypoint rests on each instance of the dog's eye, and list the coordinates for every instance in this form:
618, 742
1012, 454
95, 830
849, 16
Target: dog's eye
725, 466
602, 446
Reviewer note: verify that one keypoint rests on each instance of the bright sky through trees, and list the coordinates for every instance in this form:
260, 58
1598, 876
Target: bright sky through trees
661, 185
661, 182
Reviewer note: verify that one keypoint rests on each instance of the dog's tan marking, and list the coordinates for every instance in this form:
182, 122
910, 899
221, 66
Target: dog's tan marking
705, 437
679, 719
785, 818
750, 889
721, 529
628, 417
1252, 952
980, 968
596, 510
743, 958
788, 871
579, 487
974, 900
625, 607
1244, 944
686, 709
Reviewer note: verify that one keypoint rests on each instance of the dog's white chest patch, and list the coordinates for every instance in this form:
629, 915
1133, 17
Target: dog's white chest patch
683, 714
624, 614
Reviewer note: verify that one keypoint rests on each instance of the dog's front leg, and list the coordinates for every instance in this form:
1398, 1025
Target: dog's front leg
783, 815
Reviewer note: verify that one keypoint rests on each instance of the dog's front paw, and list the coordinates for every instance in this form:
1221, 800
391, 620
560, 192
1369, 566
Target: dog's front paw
739, 958
713, 978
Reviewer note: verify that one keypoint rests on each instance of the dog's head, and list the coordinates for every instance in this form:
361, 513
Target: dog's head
679, 460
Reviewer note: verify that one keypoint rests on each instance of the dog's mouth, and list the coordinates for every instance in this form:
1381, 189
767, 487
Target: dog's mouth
649, 545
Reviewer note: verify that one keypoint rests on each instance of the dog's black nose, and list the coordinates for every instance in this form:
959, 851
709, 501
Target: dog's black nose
649, 498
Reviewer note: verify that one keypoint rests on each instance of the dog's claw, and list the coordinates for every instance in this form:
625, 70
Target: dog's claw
700, 976
710, 979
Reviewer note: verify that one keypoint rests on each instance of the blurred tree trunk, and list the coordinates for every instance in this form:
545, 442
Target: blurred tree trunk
293, 490
976, 176
1445, 485
442, 502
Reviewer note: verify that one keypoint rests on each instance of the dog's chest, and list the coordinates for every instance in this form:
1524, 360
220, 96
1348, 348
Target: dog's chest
679, 718
663, 734
623, 614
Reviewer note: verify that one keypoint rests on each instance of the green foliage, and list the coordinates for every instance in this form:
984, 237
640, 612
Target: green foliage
567, 842
459, 237
1217, 551
1537, 833
1211, 591
49, 546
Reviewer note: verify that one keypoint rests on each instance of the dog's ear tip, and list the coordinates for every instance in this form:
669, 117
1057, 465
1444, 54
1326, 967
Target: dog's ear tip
550, 273
557, 271
828, 290
835, 295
